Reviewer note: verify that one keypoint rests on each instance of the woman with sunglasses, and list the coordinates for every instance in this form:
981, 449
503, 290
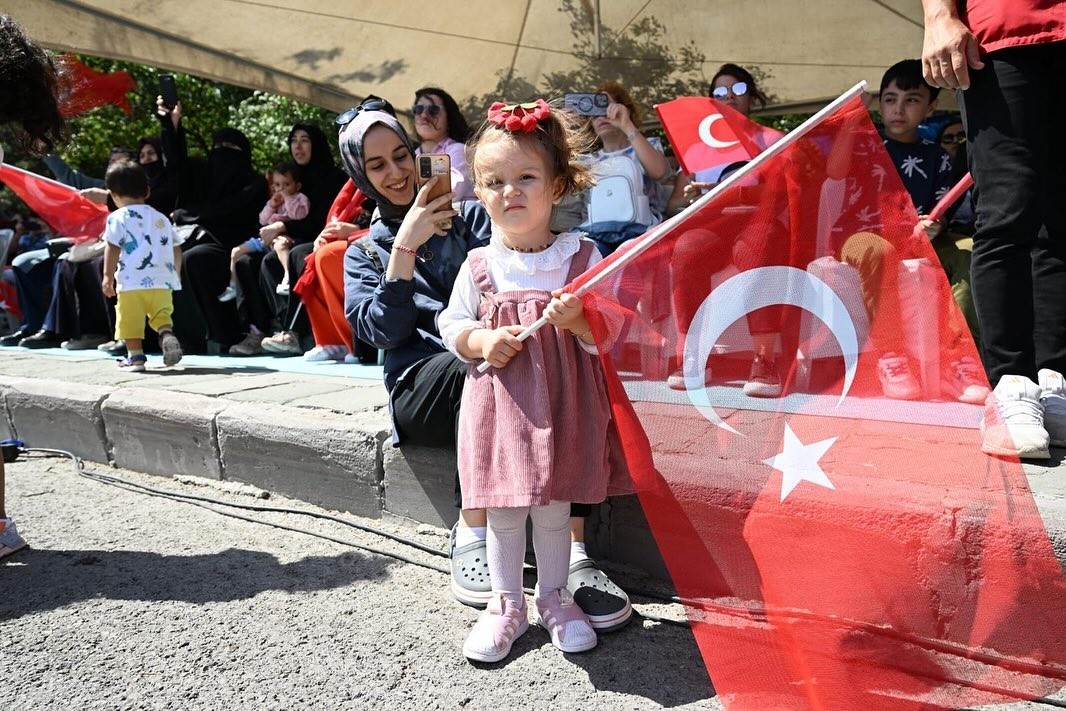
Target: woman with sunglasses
735, 87
396, 282
441, 128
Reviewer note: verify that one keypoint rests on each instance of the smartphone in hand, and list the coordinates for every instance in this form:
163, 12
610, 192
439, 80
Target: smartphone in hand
587, 104
435, 164
168, 90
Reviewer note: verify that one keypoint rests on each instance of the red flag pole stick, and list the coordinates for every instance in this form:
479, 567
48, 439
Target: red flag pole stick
661, 230
951, 197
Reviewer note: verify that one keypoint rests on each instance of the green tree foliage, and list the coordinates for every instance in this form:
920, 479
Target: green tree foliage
265, 118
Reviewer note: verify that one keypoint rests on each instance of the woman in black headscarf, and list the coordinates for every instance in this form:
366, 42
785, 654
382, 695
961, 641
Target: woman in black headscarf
320, 181
222, 197
162, 182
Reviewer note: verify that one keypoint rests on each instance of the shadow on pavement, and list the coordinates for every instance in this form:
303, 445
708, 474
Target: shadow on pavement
672, 675
39, 579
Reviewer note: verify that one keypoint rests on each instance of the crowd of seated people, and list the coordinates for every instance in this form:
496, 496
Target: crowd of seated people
245, 254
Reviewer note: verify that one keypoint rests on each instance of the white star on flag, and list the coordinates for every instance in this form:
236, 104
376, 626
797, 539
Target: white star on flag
799, 462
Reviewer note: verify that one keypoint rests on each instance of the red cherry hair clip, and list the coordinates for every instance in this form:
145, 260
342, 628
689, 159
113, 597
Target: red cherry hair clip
519, 118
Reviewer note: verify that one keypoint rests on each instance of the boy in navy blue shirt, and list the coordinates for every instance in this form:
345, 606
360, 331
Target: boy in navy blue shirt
925, 168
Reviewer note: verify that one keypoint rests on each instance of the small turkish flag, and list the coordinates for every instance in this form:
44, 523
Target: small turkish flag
705, 133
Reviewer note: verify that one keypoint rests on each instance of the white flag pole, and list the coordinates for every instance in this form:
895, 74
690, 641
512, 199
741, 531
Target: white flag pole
661, 230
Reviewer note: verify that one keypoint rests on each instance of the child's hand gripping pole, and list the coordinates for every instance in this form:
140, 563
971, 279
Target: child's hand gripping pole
529, 331
950, 198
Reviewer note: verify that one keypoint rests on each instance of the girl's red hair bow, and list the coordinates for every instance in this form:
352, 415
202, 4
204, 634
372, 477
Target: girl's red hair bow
519, 118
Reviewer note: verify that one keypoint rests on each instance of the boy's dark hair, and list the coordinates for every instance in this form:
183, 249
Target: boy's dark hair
458, 128
288, 168
908, 76
127, 179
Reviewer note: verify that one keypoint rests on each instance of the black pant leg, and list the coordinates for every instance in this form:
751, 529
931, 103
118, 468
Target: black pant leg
250, 299
92, 305
1016, 158
205, 274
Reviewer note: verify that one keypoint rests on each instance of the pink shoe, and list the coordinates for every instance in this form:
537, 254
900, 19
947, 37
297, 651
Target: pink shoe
496, 629
568, 626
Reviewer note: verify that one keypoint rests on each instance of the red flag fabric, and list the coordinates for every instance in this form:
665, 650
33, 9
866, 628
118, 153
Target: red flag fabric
837, 547
705, 133
82, 88
61, 206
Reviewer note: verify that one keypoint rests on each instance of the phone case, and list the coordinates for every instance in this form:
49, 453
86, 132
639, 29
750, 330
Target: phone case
168, 90
431, 164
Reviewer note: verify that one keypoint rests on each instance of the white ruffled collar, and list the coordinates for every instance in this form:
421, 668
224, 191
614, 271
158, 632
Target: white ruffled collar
553, 258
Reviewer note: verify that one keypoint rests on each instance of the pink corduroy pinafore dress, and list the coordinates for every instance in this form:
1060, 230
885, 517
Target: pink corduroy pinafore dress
540, 429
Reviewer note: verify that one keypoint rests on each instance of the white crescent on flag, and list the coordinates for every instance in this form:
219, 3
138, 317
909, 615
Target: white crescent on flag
707, 134
752, 290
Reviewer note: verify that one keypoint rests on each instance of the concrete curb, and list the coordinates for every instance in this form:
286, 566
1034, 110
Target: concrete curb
163, 432
55, 413
336, 459
321, 457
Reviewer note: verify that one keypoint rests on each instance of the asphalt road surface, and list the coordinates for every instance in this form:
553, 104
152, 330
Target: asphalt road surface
129, 601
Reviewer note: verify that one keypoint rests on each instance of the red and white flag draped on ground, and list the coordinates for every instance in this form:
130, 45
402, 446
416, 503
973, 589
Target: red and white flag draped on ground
61, 206
837, 549
82, 88
706, 133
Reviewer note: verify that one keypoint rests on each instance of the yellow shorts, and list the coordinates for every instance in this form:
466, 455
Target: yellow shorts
134, 306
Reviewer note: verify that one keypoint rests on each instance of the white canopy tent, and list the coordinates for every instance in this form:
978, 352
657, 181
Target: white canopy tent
333, 52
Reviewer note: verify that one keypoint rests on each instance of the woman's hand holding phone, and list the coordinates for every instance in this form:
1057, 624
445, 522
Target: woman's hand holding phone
427, 217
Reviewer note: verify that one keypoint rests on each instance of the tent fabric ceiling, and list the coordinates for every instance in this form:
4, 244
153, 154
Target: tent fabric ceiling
333, 52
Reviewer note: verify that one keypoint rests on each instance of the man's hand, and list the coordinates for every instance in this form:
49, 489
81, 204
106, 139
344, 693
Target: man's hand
949, 52
109, 286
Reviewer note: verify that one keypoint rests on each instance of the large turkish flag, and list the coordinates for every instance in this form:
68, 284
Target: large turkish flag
837, 548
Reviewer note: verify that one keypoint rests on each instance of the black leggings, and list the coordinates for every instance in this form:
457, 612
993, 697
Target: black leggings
426, 409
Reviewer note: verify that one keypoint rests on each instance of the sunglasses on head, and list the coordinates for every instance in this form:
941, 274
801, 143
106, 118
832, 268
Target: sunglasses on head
738, 89
950, 138
430, 110
370, 103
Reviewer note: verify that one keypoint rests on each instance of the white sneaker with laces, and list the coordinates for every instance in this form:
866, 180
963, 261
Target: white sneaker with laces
1053, 398
10, 540
964, 380
1013, 425
897, 380
229, 294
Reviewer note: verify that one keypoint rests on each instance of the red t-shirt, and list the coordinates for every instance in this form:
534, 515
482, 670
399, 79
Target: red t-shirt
998, 24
